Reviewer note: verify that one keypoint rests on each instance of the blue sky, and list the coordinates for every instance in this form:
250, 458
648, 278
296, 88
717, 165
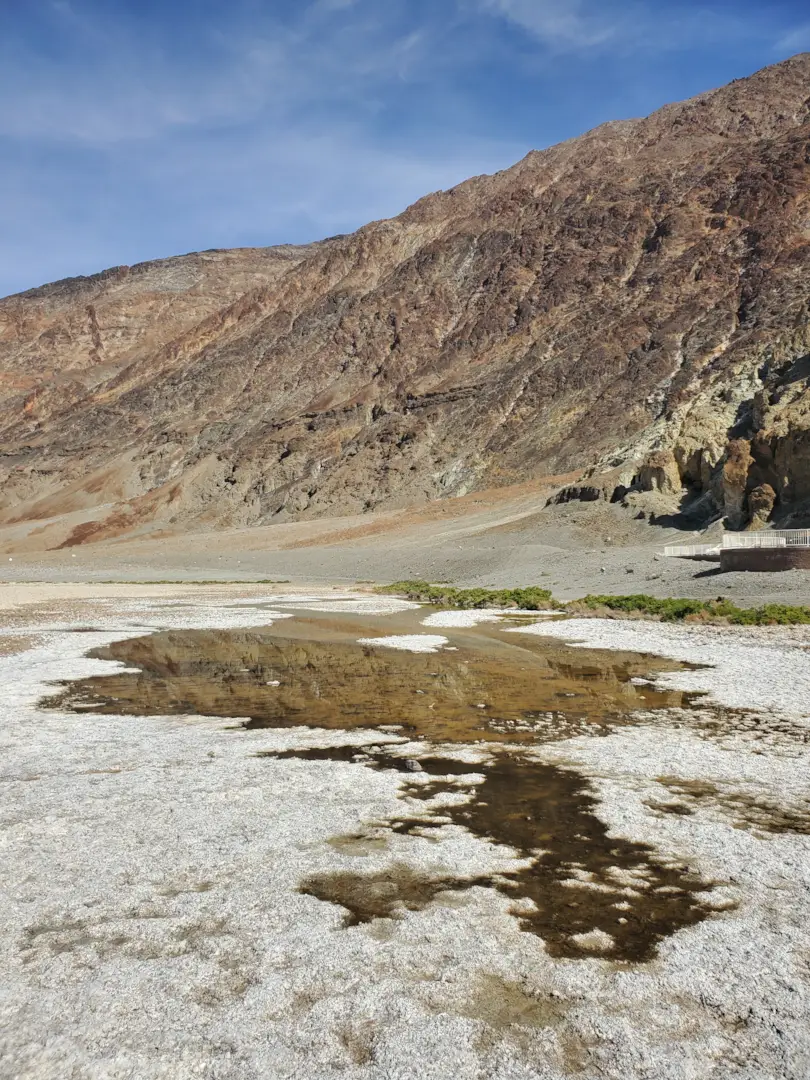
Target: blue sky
135, 129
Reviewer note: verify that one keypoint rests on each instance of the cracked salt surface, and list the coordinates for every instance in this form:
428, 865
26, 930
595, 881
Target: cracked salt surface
762, 668
152, 926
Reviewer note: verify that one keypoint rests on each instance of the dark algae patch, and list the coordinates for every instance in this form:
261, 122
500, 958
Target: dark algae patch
585, 893
381, 895
744, 810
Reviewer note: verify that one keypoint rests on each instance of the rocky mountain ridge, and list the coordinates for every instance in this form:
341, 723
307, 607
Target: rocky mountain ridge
633, 304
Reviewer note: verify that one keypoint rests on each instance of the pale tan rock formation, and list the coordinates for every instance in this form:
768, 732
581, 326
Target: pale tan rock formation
761, 502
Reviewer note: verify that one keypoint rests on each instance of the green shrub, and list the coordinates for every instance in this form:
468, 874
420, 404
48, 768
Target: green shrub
532, 598
720, 610
771, 615
668, 609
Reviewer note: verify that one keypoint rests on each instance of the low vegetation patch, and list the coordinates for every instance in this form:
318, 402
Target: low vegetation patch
639, 605
672, 609
532, 598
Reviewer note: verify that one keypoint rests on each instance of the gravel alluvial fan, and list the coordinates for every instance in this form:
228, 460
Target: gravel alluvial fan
632, 304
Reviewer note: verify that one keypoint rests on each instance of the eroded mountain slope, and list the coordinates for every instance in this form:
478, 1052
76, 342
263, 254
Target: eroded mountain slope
632, 302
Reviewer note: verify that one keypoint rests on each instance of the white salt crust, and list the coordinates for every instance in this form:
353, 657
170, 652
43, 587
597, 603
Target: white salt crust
749, 668
475, 616
461, 618
152, 928
418, 643
357, 604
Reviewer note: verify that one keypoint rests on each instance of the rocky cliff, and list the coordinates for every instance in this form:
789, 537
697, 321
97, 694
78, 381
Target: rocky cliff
634, 303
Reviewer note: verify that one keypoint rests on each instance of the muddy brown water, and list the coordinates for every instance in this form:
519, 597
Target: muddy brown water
500, 690
311, 671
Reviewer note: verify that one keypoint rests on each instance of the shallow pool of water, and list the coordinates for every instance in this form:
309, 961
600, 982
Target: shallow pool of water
311, 671
584, 892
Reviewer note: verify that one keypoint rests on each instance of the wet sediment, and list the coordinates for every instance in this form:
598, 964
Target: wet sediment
584, 892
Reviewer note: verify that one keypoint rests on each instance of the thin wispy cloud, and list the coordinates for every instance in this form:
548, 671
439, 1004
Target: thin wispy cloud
559, 23
797, 40
334, 53
131, 130
625, 26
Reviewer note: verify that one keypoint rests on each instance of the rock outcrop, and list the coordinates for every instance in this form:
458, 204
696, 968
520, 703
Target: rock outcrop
635, 301
761, 502
736, 470
660, 472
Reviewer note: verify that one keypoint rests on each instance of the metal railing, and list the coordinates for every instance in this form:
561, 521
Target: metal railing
691, 551
772, 538
794, 537
768, 539
753, 540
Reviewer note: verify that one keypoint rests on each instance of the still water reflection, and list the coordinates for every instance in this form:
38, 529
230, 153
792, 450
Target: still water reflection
497, 687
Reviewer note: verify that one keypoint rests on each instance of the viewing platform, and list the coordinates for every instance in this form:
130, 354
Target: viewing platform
771, 550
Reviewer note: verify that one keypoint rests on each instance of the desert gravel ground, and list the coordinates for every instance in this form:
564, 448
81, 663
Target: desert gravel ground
572, 549
152, 927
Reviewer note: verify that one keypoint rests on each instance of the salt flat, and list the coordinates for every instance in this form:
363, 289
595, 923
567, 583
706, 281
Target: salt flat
153, 927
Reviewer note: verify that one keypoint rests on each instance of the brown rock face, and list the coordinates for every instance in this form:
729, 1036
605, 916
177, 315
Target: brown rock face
761, 502
660, 472
642, 289
735, 479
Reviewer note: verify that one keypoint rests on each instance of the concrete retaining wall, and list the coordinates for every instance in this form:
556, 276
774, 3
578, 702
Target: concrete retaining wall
765, 559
